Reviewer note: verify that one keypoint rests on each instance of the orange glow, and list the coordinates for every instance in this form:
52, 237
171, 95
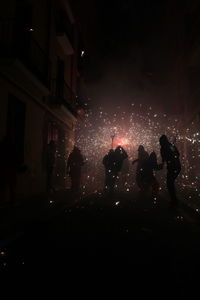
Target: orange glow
121, 142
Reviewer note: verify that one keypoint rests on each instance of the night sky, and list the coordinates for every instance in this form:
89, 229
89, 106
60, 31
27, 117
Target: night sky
125, 51
135, 79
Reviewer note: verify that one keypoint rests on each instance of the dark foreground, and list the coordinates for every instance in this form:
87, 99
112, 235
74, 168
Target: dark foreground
113, 242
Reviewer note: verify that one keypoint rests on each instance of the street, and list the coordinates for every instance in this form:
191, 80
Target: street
115, 235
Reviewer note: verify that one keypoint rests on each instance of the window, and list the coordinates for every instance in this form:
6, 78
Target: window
16, 125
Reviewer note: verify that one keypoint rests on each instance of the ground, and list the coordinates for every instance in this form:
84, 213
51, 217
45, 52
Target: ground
122, 236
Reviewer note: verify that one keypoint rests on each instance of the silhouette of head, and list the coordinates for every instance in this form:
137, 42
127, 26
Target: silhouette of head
141, 148
118, 149
153, 157
164, 140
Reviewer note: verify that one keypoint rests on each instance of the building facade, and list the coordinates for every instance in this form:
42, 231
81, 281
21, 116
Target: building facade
181, 65
40, 86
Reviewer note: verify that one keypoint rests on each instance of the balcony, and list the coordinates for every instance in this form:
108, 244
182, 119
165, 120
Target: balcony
21, 47
63, 97
64, 34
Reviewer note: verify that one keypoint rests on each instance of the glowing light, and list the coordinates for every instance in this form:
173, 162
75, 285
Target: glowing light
132, 129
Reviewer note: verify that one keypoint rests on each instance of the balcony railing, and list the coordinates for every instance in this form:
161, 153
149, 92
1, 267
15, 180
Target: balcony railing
63, 95
16, 43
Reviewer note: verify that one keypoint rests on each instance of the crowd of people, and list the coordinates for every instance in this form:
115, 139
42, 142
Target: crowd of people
115, 163
146, 166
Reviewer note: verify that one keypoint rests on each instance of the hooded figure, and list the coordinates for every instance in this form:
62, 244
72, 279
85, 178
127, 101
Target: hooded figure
74, 164
170, 155
120, 156
141, 167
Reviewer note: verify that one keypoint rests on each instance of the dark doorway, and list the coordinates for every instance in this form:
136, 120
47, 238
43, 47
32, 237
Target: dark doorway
16, 125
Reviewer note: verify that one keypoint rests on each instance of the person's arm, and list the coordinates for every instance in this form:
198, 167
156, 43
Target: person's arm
157, 166
124, 153
162, 153
136, 160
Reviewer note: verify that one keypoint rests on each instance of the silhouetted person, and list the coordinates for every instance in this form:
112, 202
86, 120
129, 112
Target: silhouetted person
120, 156
50, 164
150, 167
170, 155
8, 170
110, 170
74, 164
141, 161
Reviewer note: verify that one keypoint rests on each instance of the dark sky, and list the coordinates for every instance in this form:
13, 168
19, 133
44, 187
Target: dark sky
125, 41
